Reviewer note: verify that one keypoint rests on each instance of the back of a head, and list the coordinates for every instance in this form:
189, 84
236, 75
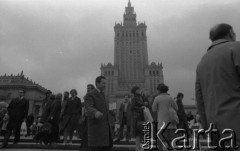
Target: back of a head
162, 88
134, 89
220, 31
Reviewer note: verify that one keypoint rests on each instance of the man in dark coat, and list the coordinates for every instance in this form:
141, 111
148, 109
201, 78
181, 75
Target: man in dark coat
51, 116
124, 119
99, 131
17, 111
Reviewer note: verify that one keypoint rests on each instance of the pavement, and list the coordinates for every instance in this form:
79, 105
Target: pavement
27, 143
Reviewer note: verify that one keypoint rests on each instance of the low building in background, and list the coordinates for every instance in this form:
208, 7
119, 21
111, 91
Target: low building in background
35, 93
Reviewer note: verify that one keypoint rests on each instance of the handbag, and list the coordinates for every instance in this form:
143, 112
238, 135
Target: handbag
147, 115
173, 116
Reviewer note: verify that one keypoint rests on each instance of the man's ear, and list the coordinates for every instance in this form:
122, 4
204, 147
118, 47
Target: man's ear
232, 35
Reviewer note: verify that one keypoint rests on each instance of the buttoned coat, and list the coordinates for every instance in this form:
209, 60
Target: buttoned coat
17, 111
218, 86
99, 131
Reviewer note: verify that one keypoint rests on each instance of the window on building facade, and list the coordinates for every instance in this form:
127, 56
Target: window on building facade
105, 73
150, 72
157, 73
153, 73
112, 73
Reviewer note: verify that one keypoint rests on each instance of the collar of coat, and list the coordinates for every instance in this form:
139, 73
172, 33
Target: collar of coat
217, 42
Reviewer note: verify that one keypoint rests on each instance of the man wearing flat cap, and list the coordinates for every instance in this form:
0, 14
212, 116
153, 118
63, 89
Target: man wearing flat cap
17, 112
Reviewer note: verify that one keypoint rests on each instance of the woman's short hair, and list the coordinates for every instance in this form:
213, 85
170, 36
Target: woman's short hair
74, 90
162, 88
134, 89
180, 95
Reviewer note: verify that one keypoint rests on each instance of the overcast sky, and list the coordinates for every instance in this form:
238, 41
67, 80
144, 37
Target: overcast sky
61, 44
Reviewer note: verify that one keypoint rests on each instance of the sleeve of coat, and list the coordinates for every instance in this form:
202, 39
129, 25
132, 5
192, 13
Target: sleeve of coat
54, 112
90, 106
200, 102
10, 108
236, 56
154, 105
174, 105
80, 107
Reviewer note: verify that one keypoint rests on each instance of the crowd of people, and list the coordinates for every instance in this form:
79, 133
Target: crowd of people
217, 97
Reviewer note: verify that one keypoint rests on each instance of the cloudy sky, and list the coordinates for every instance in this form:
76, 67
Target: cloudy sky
60, 44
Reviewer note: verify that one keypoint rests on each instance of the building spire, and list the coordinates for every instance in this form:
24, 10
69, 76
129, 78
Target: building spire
129, 3
21, 73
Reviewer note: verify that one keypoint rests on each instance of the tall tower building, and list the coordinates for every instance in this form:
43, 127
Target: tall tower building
130, 66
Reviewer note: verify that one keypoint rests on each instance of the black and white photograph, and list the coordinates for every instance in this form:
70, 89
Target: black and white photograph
119, 75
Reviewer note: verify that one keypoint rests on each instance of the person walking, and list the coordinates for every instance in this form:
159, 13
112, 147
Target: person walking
162, 104
50, 121
17, 112
99, 131
71, 116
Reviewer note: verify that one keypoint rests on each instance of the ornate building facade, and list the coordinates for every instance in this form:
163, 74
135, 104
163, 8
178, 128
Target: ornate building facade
11, 84
131, 67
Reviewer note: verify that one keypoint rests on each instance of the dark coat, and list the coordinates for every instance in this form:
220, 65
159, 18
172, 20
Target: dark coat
181, 116
51, 116
71, 114
99, 131
17, 111
29, 120
129, 113
46, 111
137, 116
52, 112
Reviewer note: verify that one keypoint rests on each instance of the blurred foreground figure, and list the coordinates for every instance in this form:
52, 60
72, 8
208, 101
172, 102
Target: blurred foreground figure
99, 131
218, 82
